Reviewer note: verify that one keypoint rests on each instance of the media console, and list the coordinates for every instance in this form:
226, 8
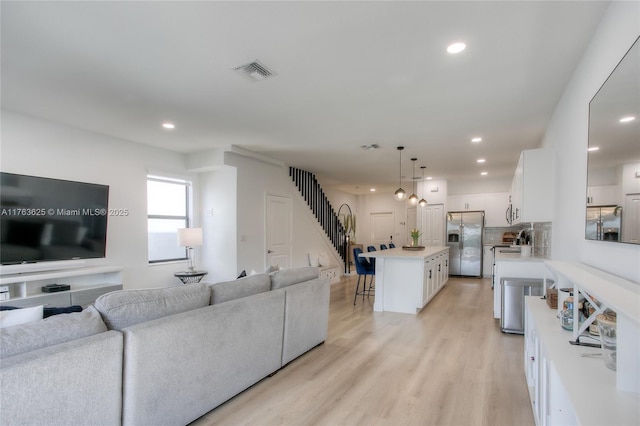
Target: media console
86, 284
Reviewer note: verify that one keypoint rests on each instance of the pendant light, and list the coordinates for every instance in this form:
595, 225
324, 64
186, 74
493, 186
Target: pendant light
400, 193
422, 202
413, 199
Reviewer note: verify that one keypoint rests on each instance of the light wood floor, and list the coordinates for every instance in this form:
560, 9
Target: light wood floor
448, 365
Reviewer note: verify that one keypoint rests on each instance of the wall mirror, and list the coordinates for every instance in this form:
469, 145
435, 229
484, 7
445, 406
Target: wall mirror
613, 168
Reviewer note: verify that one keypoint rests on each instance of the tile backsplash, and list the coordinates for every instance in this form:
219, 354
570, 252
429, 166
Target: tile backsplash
541, 236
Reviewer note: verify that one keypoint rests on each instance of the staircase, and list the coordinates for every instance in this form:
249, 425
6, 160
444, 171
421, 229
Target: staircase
319, 204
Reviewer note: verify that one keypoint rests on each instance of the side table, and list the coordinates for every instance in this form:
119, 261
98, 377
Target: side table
190, 277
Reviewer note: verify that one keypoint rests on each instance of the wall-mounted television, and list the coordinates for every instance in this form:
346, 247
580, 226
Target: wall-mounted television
43, 219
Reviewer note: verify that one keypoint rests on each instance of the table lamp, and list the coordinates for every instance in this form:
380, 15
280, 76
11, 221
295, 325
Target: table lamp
190, 238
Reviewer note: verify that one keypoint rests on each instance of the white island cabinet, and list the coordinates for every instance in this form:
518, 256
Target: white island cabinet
567, 387
406, 280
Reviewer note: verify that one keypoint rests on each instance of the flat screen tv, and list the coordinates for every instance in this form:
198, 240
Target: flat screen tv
44, 219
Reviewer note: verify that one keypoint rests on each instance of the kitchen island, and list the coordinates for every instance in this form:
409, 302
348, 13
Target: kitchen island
407, 279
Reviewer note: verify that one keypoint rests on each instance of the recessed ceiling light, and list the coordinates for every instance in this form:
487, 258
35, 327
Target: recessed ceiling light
169, 126
456, 47
627, 119
428, 178
372, 190
483, 173
593, 148
476, 140
481, 160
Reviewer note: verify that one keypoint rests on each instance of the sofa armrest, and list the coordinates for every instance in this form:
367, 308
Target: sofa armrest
73, 382
306, 317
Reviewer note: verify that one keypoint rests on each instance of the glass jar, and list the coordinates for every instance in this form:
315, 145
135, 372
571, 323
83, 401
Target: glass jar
607, 327
566, 315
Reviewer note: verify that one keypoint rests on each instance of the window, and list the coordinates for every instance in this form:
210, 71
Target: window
167, 210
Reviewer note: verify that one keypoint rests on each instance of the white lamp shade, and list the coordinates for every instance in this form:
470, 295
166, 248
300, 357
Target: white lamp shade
190, 237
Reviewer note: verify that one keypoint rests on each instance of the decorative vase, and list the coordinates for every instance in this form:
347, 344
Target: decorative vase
414, 243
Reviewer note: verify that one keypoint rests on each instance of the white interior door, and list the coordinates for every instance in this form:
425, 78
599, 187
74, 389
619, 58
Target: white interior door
433, 226
381, 228
278, 227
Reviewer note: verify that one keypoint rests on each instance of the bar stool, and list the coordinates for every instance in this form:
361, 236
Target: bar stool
363, 268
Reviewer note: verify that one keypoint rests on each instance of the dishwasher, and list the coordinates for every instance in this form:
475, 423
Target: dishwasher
513, 292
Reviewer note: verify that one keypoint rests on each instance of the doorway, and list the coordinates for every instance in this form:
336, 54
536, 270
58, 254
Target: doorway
278, 228
381, 228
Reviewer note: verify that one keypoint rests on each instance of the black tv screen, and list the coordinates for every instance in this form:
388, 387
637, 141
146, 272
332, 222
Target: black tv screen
44, 219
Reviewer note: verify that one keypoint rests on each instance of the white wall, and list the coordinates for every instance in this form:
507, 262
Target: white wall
218, 255
255, 180
567, 134
481, 185
35, 147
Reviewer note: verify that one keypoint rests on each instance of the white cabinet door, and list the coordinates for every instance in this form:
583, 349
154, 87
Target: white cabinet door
465, 202
495, 209
487, 261
532, 187
605, 195
456, 203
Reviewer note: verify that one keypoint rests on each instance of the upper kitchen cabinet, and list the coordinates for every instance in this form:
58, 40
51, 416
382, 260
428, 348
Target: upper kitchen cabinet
532, 187
603, 195
496, 207
465, 202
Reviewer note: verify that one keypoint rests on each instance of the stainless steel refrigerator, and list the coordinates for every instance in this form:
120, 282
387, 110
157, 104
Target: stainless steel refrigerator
464, 238
603, 223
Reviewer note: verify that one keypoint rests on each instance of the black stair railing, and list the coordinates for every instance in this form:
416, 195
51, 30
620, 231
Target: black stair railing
319, 204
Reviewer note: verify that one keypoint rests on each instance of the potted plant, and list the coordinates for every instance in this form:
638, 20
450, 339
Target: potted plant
415, 235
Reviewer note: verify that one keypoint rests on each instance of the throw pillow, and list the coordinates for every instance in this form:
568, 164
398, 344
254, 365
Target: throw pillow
20, 316
313, 259
47, 312
323, 259
272, 268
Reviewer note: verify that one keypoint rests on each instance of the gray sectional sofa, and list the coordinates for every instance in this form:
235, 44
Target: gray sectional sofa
163, 356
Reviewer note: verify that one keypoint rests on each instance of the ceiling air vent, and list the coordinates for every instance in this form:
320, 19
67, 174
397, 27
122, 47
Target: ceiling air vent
255, 71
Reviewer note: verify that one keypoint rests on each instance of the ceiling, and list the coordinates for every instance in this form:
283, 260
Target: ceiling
347, 74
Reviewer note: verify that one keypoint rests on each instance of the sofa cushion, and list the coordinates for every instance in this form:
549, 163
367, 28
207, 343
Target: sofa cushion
123, 308
242, 287
51, 331
10, 318
286, 277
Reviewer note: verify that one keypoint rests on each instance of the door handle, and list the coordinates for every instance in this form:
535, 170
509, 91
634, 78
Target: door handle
269, 251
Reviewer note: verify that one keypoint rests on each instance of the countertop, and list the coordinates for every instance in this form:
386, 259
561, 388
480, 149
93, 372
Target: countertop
401, 253
517, 257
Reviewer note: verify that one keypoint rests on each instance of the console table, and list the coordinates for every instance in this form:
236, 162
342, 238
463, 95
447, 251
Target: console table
190, 277
87, 283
